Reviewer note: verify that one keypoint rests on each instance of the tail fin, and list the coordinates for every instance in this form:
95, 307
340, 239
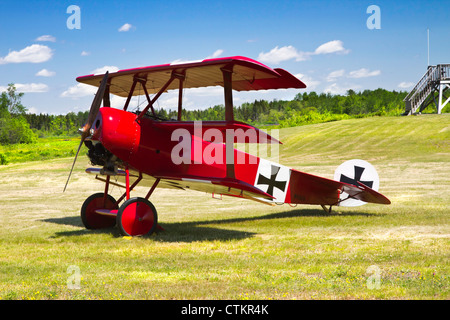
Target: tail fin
356, 172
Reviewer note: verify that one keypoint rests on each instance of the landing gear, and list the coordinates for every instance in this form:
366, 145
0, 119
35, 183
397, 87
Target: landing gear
89, 211
135, 217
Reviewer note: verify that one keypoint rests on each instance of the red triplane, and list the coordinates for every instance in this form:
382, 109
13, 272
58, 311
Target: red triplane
139, 148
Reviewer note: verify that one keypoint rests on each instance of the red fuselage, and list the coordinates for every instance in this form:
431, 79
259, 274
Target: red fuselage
149, 146
157, 148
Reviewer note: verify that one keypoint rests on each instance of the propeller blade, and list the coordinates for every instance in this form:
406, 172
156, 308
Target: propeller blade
73, 164
95, 107
96, 103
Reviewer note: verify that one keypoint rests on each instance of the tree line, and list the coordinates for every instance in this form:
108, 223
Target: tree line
304, 108
18, 126
45, 124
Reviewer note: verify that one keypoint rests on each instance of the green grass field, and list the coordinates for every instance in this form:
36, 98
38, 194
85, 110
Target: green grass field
44, 149
237, 249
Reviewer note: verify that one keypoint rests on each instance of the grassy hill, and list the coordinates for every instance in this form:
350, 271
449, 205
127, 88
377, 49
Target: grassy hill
237, 249
378, 139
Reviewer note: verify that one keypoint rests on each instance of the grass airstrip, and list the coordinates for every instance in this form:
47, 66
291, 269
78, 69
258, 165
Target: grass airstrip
238, 249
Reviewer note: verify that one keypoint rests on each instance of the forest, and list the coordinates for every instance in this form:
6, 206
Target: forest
18, 126
305, 108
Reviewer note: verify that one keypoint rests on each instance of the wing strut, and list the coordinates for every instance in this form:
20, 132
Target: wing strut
160, 92
106, 99
143, 82
228, 90
130, 94
227, 73
180, 97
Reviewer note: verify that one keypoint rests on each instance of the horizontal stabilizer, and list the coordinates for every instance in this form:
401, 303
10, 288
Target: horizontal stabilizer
310, 189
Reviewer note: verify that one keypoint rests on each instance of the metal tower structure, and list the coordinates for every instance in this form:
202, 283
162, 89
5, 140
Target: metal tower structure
435, 80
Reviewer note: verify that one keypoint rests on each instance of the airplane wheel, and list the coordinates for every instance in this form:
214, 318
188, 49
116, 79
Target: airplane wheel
93, 220
137, 217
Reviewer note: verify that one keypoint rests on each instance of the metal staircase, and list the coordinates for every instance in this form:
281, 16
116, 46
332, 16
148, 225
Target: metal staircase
436, 79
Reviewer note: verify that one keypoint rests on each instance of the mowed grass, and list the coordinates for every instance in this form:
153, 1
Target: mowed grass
237, 249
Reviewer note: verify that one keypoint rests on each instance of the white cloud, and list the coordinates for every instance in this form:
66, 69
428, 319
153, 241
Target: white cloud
126, 27
32, 110
363, 73
337, 89
45, 73
181, 61
405, 85
103, 69
333, 89
206, 91
46, 37
119, 102
277, 55
335, 46
83, 90
78, 91
28, 87
35, 53
311, 84
85, 53
32, 87
216, 54
356, 74
335, 74
170, 101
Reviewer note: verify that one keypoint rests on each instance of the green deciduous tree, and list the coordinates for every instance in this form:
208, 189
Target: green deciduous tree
14, 128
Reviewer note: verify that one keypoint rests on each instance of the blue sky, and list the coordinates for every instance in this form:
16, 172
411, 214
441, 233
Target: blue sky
327, 44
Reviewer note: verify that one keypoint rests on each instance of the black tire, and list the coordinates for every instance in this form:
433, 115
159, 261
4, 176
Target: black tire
93, 220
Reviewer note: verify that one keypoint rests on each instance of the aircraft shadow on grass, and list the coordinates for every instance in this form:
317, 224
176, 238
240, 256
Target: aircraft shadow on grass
192, 231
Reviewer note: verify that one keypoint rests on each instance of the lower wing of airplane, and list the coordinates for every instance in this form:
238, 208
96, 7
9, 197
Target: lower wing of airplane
279, 185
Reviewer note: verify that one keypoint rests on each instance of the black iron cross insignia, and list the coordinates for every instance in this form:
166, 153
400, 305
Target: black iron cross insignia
358, 173
272, 182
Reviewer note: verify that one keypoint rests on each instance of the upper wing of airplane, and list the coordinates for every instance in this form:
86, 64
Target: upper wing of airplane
248, 75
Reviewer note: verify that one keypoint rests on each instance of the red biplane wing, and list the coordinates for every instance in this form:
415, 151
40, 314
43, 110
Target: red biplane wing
248, 75
300, 187
215, 186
